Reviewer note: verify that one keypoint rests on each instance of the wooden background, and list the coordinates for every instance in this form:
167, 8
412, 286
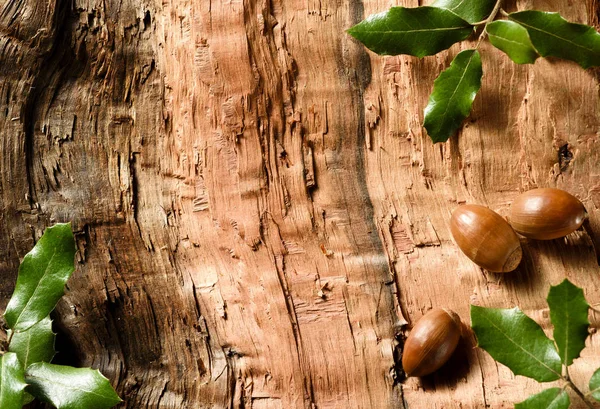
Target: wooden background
259, 214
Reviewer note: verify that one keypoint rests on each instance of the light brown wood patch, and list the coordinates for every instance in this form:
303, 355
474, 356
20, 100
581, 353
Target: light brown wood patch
259, 213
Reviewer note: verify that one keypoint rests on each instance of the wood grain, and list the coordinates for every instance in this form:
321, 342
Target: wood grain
259, 214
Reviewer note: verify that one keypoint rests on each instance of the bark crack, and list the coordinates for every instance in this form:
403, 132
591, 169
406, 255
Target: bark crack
50, 63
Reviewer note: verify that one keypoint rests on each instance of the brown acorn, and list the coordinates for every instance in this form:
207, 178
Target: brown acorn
486, 238
431, 342
546, 214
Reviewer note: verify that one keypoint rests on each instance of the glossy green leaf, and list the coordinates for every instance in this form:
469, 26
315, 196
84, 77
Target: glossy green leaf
418, 31
34, 345
595, 385
517, 341
70, 388
453, 94
569, 315
42, 277
513, 39
554, 36
472, 11
12, 382
554, 398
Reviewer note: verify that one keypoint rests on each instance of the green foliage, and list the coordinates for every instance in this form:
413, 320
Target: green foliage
554, 36
515, 340
26, 368
472, 11
595, 385
70, 388
427, 30
42, 278
453, 94
34, 345
554, 398
569, 314
12, 382
513, 39
416, 31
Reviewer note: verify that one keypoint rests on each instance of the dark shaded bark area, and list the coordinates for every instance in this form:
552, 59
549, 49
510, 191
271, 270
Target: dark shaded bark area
258, 211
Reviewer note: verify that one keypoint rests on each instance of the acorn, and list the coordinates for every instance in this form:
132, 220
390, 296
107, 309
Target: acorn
431, 342
486, 238
546, 214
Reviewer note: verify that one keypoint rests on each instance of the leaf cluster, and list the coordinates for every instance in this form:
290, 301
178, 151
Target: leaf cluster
524, 36
25, 369
517, 341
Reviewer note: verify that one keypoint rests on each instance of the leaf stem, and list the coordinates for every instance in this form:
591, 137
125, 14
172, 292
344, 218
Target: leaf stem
579, 393
480, 22
488, 20
10, 337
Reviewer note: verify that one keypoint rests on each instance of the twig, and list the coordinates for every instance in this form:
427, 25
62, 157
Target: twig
479, 23
10, 337
580, 394
487, 21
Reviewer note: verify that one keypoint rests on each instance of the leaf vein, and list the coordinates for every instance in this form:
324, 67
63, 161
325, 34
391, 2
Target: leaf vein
460, 3
520, 347
421, 30
554, 35
457, 86
555, 400
510, 41
37, 287
67, 386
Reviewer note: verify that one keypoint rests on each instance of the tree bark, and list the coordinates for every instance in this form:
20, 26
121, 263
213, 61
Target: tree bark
259, 214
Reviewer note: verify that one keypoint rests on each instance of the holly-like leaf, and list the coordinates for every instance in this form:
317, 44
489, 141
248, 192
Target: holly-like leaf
34, 345
569, 315
66, 387
554, 36
513, 39
553, 398
595, 385
12, 382
517, 341
418, 31
42, 277
454, 91
472, 11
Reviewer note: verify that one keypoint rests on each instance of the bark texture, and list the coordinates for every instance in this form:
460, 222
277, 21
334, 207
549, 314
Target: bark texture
260, 216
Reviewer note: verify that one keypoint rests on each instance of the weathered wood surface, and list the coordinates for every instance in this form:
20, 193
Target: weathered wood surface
259, 213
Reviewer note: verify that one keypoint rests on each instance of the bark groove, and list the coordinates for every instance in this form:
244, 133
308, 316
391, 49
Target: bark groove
259, 215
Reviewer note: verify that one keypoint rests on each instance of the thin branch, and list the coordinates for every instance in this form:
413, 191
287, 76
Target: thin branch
487, 21
580, 394
10, 337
